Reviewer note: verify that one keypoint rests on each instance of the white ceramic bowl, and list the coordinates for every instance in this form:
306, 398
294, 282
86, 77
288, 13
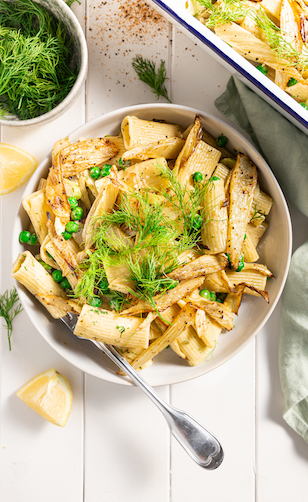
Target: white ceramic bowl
79, 55
275, 252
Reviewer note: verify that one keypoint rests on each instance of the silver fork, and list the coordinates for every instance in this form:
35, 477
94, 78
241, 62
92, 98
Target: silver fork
196, 440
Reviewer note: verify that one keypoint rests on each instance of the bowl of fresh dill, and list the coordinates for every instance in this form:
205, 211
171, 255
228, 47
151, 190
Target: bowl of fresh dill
43, 62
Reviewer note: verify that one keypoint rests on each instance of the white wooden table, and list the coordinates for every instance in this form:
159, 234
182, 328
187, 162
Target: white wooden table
116, 446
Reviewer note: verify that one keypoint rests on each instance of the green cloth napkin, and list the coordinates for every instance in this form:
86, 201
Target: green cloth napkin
286, 149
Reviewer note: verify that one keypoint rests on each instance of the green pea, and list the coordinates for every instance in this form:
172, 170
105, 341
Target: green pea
197, 177
72, 202
95, 172
241, 264
57, 275
77, 213
292, 81
124, 164
212, 296
262, 68
71, 227
45, 265
115, 304
33, 240
24, 236
66, 235
221, 141
172, 285
221, 297
228, 162
196, 222
304, 106
104, 285
214, 178
65, 284
105, 171
205, 293
95, 302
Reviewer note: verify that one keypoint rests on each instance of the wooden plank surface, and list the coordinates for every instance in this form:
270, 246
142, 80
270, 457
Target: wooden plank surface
224, 402
126, 444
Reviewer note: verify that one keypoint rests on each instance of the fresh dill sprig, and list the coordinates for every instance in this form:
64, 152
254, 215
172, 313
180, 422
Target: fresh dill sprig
7, 310
116, 299
156, 240
189, 203
146, 71
94, 276
36, 71
256, 215
140, 215
225, 12
149, 273
153, 246
276, 40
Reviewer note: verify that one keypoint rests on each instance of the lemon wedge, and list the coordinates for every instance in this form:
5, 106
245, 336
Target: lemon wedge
16, 167
50, 395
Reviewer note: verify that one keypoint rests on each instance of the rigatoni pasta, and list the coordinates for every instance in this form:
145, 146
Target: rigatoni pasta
271, 34
154, 246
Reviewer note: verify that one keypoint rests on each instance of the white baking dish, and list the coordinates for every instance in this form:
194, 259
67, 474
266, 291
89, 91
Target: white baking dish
175, 12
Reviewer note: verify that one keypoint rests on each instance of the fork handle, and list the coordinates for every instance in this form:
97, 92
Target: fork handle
196, 440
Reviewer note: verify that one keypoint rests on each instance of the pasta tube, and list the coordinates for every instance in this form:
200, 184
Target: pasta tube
203, 159
183, 319
207, 329
191, 347
31, 274
148, 173
256, 232
222, 172
250, 277
108, 327
118, 277
250, 253
138, 132
102, 204
36, 206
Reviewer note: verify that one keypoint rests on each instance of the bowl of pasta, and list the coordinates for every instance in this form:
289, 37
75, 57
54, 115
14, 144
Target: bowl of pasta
263, 43
158, 226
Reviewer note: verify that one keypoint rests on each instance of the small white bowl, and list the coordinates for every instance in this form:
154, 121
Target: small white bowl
79, 53
275, 252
